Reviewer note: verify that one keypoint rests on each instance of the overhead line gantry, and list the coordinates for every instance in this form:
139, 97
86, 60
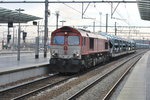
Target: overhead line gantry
102, 1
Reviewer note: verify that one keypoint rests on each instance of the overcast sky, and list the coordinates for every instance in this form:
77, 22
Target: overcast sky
126, 14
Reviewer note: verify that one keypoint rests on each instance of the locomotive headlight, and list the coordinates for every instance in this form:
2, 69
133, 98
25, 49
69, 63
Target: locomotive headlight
76, 55
55, 54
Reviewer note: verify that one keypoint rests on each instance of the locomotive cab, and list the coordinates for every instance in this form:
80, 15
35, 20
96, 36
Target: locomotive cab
65, 45
65, 48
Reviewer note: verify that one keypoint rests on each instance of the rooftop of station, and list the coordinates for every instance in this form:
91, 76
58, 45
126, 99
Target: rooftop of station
144, 9
7, 15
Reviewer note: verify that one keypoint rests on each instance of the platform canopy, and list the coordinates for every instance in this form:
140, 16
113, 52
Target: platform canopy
7, 15
144, 9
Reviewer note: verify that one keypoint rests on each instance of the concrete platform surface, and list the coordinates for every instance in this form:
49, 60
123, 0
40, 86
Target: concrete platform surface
9, 62
137, 86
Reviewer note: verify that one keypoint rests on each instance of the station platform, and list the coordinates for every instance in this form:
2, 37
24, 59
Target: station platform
137, 86
9, 62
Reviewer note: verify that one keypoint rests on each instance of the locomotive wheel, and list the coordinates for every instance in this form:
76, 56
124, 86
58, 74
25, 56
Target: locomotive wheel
94, 62
104, 59
84, 63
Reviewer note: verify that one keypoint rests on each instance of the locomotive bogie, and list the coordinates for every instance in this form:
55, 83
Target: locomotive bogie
65, 65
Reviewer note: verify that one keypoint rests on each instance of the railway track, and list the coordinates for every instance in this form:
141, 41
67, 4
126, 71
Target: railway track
112, 90
109, 93
25, 92
29, 88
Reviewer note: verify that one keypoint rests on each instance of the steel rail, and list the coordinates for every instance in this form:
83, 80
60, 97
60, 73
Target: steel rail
83, 90
42, 88
112, 90
25, 83
111, 1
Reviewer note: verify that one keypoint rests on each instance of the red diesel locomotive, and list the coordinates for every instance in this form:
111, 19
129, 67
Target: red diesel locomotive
75, 49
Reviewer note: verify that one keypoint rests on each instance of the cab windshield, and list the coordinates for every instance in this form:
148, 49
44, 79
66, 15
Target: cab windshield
73, 40
58, 40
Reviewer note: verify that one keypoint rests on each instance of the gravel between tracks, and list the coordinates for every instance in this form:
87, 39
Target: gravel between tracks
100, 89
8, 95
62, 92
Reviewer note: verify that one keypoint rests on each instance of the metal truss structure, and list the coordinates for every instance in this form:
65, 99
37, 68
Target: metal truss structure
102, 1
113, 9
84, 9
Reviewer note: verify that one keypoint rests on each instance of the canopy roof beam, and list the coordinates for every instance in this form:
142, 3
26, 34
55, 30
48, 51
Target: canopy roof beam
144, 9
7, 15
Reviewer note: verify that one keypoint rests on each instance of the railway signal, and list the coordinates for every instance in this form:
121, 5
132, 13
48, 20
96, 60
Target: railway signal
24, 35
